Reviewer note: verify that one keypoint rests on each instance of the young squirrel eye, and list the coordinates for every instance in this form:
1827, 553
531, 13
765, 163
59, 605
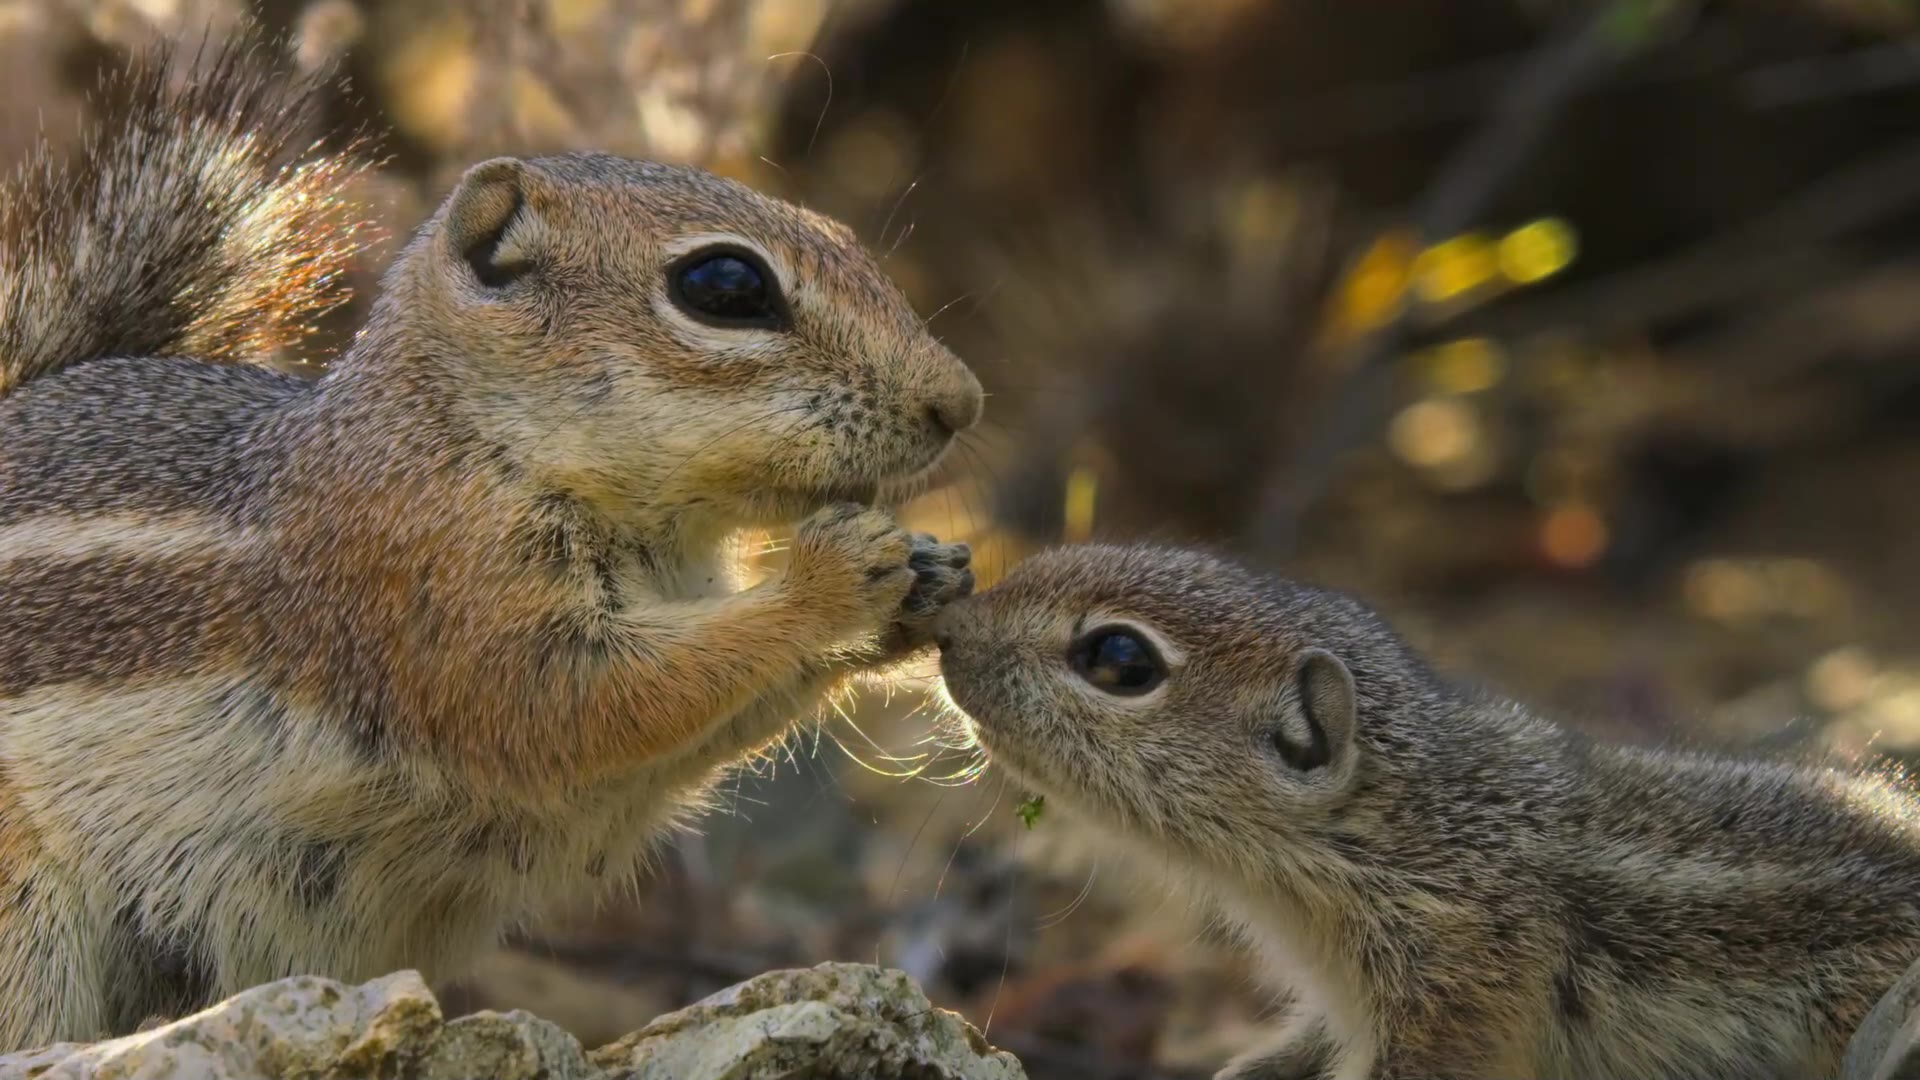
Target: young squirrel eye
727, 288
1118, 662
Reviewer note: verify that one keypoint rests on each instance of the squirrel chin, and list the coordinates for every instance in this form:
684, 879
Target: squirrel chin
1006, 749
778, 506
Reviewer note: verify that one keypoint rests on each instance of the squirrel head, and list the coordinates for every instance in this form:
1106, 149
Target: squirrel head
1175, 695
646, 336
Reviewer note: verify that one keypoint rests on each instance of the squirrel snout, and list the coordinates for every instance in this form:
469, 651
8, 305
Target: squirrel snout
956, 408
951, 627
943, 627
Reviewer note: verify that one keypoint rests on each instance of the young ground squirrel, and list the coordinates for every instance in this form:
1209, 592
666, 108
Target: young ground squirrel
1448, 886
345, 675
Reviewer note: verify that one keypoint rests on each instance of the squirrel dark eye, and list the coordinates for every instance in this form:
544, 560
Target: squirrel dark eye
1118, 662
727, 288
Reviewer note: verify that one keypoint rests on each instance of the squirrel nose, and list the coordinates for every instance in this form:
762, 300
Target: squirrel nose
957, 408
947, 625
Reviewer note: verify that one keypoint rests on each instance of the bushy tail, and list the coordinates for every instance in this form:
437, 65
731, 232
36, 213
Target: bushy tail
199, 220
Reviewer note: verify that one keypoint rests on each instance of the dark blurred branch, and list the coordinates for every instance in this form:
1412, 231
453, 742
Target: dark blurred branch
1885, 16
1714, 51
1540, 90
1886, 66
1790, 248
1459, 93
1586, 50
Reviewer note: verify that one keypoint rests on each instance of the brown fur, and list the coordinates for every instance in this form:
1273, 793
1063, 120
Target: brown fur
1456, 888
345, 675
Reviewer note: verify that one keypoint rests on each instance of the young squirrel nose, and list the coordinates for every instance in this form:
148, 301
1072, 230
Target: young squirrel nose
943, 627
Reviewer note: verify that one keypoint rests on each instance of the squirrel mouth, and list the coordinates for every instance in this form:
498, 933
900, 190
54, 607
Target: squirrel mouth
792, 502
885, 485
871, 491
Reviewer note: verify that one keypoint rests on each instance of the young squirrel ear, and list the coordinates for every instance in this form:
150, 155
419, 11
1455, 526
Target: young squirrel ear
1318, 730
490, 197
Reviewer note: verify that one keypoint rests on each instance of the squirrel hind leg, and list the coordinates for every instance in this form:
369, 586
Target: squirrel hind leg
47, 952
157, 978
65, 974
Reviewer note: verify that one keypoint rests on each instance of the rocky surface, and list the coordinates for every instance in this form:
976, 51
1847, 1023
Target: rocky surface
853, 1019
834, 1020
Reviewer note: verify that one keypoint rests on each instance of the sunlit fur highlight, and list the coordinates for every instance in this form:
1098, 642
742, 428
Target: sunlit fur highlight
229, 231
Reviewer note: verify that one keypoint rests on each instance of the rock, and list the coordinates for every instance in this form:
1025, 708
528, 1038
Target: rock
308, 1027
1887, 1046
835, 1020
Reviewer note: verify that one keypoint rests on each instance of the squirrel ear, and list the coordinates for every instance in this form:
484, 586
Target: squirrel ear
488, 200
1319, 730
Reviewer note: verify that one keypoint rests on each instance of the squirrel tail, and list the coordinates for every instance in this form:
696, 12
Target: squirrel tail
198, 220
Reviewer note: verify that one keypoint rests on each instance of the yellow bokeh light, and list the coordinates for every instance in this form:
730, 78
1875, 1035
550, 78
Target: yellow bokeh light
1375, 287
536, 108
1465, 366
430, 76
1435, 433
1537, 251
1449, 270
1082, 485
1729, 589
1573, 535
567, 17
1263, 212
1843, 679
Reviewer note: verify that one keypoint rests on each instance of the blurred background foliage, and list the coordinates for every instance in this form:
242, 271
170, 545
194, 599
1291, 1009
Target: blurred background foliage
1578, 336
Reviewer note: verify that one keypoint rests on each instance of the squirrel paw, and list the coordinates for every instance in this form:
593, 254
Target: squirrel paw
850, 565
940, 577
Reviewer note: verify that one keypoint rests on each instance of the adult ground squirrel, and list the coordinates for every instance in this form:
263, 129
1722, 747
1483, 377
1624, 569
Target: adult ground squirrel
1447, 885
342, 675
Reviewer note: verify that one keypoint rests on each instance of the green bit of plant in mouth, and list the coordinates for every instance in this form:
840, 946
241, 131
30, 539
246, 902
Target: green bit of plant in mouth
1029, 810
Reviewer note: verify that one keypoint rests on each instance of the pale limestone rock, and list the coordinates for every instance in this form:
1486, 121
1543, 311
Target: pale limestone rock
835, 1020
316, 1028
848, 1020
